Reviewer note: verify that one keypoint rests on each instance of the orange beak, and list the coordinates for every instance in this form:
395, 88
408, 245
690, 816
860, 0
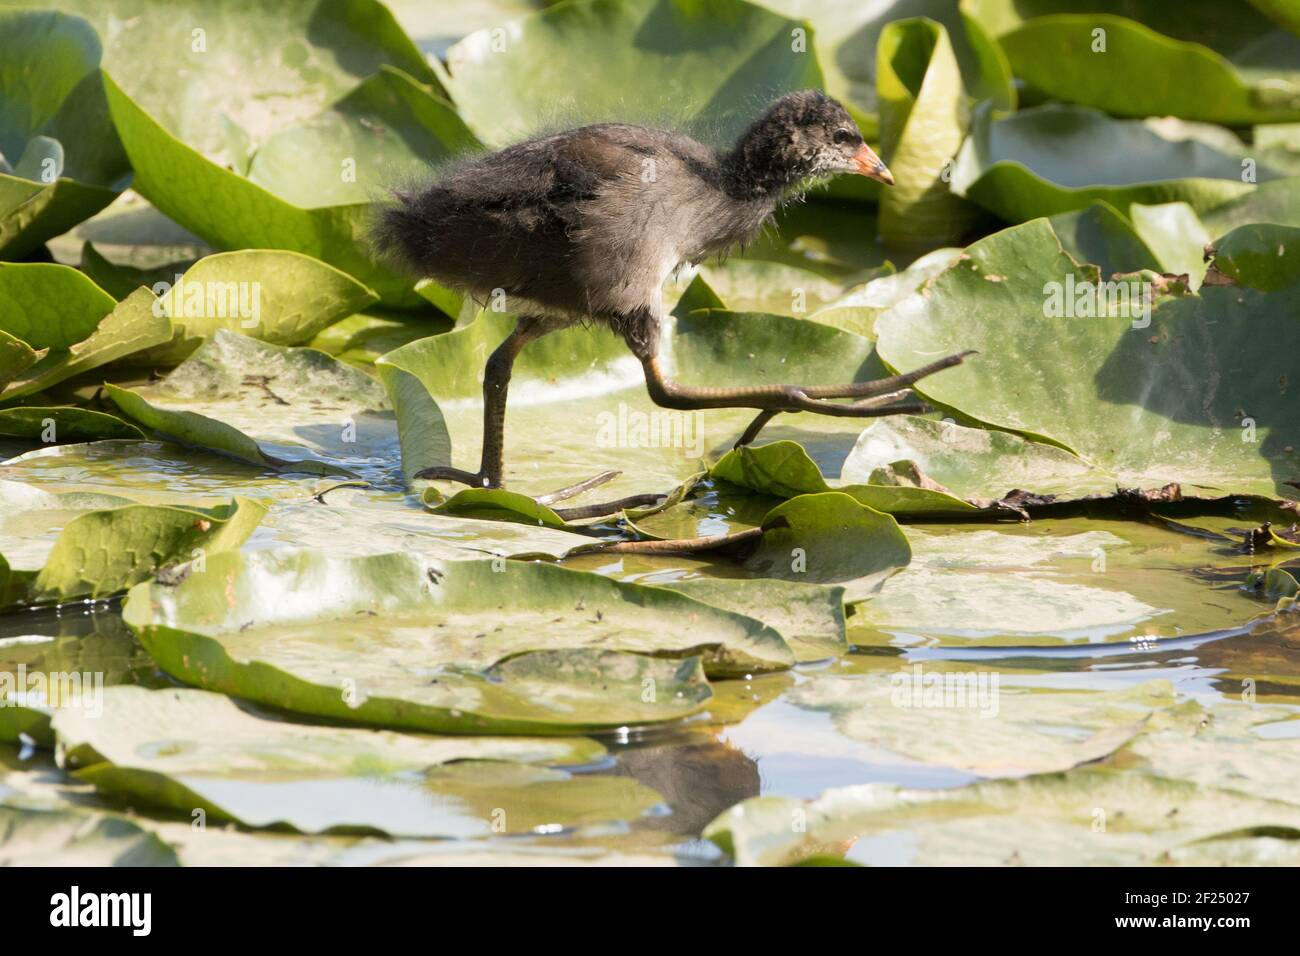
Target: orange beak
869, 165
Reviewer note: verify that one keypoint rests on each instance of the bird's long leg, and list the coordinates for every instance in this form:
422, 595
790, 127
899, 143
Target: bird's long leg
885, 396
496, 385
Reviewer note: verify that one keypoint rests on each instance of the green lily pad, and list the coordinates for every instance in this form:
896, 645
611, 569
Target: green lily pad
847, 35
923, 120
830, 538
976, 463
15, 357
1139, 71
189, 750
1054, 159
293, 409
578, 403
955, 716
50, 306
1261, 256
1103, 237
751, 285
362, 338
63, 423
476, 614
60, 159
858, 309
1275, 201
132, 327
784, 469
1245, 748
1055, 583
1175, 236
385, 125
623, 61
809, 616
1086, 816
581, 620
1111, 375
58, 549
284, 298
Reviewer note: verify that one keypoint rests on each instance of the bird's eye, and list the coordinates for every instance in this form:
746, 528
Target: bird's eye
842, 136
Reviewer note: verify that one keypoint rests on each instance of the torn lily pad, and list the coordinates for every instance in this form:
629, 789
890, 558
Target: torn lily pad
1119, 366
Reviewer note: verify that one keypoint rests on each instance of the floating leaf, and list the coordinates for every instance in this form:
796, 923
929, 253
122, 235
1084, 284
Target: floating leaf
1111, 374
923, 120
1133, 70
189, 750
1055, 159
54, 128
284, 298
1044, 820
288, 408
491, 612
623, 61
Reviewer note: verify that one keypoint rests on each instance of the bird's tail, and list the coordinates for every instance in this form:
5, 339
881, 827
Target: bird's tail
403, 233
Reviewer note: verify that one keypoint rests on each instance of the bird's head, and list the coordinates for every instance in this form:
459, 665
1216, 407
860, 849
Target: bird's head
804, 135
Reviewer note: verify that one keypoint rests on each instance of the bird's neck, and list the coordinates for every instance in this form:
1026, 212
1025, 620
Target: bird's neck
753, 171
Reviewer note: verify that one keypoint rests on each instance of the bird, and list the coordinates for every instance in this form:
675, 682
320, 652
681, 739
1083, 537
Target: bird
586, 225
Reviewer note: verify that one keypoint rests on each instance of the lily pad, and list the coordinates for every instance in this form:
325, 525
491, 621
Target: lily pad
1138, 71
981, 721
262, 209
189, 750
63, 423
1275, 201
284, 298
1056, 158
572, 623
33, 837
293, 409
60, 547
60, 159
50, 306
923, 120
1086, 816
133, 326
624, 61
847, 35
783, 469
1055, 583
1111, 375
578, 403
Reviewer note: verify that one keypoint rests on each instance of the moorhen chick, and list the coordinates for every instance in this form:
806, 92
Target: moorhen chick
588, 224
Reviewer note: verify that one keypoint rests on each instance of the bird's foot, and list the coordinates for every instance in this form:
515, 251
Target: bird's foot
875, 404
